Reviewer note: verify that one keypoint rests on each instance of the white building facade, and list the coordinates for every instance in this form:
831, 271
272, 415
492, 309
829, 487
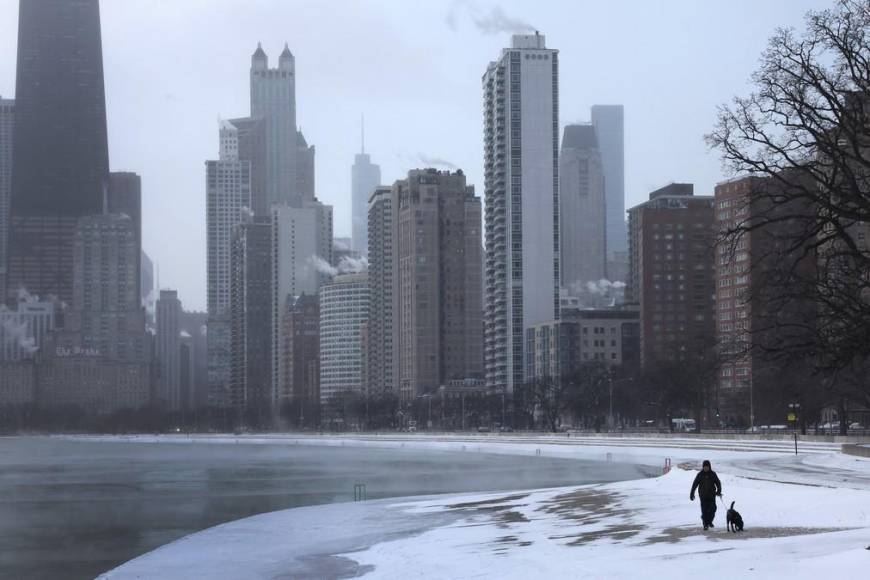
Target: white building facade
521, 192
228, 202
344, 310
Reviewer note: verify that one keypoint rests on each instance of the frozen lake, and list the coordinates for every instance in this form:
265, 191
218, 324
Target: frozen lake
74, 509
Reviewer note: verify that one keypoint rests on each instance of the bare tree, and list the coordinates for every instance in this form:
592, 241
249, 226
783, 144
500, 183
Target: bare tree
805, 133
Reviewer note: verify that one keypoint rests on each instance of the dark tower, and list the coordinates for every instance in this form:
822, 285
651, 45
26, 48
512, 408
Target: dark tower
60, 151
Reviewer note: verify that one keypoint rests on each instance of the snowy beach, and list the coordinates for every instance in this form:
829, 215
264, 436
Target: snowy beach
805, 515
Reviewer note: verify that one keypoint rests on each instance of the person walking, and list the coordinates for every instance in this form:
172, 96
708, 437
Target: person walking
708, 485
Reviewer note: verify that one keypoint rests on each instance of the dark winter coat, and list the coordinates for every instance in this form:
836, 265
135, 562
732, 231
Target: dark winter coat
708, 485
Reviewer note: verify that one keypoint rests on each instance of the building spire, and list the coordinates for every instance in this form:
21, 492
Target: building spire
362, 127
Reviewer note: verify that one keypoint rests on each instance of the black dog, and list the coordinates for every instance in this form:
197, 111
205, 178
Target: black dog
733, 520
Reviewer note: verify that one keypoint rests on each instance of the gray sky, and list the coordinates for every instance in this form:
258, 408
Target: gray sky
173, 67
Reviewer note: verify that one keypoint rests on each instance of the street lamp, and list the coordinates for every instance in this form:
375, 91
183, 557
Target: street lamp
793, 409
610, 388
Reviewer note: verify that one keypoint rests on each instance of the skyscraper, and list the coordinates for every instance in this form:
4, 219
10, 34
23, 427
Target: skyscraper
228, 202
301, 351
344, 310
582, 211
168, 349
381, 339
106, 309
59, 143
301, 258
125, 197
273, 99
437, 278
251, 305
7, 119
608, 122
521, 190
365, 177
671, 275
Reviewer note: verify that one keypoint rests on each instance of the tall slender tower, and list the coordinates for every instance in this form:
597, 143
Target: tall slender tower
273, 98
582, 210
365, 177
59, 143
609, 125
168, 349
228, 199
7, 118
521, 191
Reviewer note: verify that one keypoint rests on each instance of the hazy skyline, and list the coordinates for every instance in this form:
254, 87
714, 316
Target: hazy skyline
172, 69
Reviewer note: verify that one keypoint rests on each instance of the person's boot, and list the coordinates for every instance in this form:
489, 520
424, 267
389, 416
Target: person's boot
705, 527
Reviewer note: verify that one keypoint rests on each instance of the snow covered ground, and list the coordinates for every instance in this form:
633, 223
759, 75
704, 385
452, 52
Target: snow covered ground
797, 526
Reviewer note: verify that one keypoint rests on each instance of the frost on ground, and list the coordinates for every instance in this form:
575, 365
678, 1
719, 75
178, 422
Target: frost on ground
801, 522
643, 528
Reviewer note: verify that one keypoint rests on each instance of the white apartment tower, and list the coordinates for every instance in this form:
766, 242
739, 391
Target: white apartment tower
521, 192
228, 202
344, 310
273, 99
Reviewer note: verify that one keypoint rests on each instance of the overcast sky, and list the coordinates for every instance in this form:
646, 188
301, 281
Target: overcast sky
174, 67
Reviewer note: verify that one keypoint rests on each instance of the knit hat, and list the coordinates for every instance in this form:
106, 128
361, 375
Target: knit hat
706, 464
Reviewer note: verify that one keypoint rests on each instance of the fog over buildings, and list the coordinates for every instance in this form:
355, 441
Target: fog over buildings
170, 73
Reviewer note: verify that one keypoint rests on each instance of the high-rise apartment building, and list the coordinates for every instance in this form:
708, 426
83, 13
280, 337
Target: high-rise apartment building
106, 311
521, 191
671, 273
365, 177
380, 333
608, 121
301, 351
301, 262
344, 310
437, 313
195, 324
7, 120
251, 315
168, 349
273, 99
582, 209
125, 198
59, 141
228, 202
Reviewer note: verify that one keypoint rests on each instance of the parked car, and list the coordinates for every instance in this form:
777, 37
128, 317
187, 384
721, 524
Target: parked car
483, 429
857, 426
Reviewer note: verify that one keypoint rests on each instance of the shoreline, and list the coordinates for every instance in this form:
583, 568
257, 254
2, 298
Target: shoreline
619, 526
